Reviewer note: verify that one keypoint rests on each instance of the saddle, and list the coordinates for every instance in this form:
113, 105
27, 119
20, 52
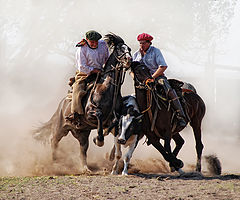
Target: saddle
162, 97
77, 105
175, 84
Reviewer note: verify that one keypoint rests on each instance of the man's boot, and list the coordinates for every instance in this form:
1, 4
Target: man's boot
181, 117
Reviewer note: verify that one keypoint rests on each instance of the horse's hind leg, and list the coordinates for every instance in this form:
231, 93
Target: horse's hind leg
57, 136
196, 125
83, 139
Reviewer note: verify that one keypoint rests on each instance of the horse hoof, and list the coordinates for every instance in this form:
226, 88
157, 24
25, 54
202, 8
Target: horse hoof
124, 173
86, 171
180, 171
114, 172
172, 169
97, 142
179, 164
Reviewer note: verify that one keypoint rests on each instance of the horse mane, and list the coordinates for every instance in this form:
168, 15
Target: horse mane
113, 40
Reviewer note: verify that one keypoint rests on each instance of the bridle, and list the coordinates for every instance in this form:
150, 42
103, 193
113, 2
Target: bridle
119, 57
141, 84
150, 92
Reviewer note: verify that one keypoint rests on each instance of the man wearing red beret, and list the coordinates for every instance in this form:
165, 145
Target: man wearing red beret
153, 59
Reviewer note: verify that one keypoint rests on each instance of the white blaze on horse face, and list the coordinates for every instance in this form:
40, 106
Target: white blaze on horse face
127, 57
126, 121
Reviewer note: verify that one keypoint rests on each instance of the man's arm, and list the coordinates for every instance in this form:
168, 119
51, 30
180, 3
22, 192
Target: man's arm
131, 74
159, 71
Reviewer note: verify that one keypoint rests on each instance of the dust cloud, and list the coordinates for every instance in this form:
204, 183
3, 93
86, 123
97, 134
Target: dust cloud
199, 41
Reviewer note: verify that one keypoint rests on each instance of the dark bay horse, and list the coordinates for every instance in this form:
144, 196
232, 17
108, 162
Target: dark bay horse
101, 103
158, 118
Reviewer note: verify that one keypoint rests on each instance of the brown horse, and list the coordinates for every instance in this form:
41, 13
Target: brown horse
101, 103
158, 120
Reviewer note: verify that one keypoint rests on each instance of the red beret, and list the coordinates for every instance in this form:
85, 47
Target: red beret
144, 36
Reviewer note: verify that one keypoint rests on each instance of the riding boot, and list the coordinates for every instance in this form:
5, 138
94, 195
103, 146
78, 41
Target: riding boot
181, 117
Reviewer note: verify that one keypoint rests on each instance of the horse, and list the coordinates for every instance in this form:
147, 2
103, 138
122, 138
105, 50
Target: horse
128, 134
101, 103
158, 118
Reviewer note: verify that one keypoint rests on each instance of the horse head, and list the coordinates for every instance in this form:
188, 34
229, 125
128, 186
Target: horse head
120, 51
141, 72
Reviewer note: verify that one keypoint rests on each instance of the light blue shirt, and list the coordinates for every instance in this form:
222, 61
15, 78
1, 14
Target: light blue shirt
153, 59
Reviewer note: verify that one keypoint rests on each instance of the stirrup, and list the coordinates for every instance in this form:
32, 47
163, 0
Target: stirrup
70, 117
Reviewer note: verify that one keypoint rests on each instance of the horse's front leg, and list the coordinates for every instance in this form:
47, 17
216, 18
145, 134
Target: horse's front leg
83, 139
173, 161
167, 145
118, 156
179, 141
128, 155
114, 125
99, 140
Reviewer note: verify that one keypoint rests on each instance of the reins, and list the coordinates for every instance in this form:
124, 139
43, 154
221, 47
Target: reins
150, 96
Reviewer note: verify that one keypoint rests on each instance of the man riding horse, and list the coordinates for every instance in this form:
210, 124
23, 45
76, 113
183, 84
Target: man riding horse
90, 56
153, 59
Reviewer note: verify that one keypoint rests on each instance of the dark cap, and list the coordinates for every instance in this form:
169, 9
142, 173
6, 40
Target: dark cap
93, 35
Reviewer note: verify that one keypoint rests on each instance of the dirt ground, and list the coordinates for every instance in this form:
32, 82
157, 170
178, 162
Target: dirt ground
137, 185
148, 179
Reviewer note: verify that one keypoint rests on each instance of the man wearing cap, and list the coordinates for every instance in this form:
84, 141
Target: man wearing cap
91, 55
153, 59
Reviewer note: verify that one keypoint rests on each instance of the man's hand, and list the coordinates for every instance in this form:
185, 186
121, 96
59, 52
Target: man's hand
150, 82
71, 81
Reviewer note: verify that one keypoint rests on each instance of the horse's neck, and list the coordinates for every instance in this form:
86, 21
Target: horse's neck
111, 62
141, 97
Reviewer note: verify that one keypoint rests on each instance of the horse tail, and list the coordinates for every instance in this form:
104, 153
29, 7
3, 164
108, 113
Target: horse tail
43, 132
214, 164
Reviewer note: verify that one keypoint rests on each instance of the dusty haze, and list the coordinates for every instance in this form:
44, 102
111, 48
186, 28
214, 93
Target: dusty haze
199, 40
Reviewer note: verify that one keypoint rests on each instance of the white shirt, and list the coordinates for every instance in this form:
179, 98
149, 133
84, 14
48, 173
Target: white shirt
88, 59
153, 59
